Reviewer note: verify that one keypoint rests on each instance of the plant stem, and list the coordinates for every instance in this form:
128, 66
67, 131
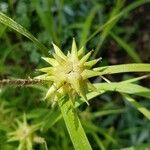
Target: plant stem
19, 82
73, 124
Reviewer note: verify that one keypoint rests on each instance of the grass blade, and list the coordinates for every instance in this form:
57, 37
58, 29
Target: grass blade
99, 143
139, 147
47, 19
119, 15
131, 52
141, 67
2, 29
107, 112
127, 88
73, 125
105, 32
17, 27
87, 25
91, 127
138, 106
136, 79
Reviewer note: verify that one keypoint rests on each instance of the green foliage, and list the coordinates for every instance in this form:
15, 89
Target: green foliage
119, 111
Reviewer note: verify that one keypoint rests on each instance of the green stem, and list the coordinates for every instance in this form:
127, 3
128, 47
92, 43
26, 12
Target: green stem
73, 124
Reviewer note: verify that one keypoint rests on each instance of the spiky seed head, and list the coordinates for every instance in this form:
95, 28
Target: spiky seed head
68, 73
24, 133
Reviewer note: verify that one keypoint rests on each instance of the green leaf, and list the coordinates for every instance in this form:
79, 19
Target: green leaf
135, 79
138, 106
73, 125
127, 88
98, 141
107, 112
131, 51
141, 67
17, 27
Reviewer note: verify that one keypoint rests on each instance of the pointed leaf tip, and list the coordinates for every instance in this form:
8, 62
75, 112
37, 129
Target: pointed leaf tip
92, 62
59, 52
51, 92
51, 61
81, 52
85, 99
74, 50
86, 57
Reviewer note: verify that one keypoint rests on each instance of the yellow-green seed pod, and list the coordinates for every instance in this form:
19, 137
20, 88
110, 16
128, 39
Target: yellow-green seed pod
69, 73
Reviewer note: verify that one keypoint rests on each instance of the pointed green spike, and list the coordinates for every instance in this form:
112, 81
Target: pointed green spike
59, 52
58, 58
74, 79
68, 54
46, 70
49, 78
12, 139
91, 86
41, 77
76, 82
51, 61
86, 57
83, 91
74, 50
81, 52
51, 92
85, 99
24, 119
11, 133
92, 62
45, 77
19, 123
89, 73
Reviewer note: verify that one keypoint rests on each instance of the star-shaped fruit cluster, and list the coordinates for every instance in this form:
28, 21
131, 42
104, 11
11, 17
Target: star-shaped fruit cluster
24, 134
69, 74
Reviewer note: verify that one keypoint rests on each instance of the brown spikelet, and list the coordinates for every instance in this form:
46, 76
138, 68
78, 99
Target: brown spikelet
19, 82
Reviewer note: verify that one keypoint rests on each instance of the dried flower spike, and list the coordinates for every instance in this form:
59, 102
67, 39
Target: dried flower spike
69, 73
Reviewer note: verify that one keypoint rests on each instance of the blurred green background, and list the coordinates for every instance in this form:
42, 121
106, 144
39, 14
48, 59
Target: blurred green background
110, 122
